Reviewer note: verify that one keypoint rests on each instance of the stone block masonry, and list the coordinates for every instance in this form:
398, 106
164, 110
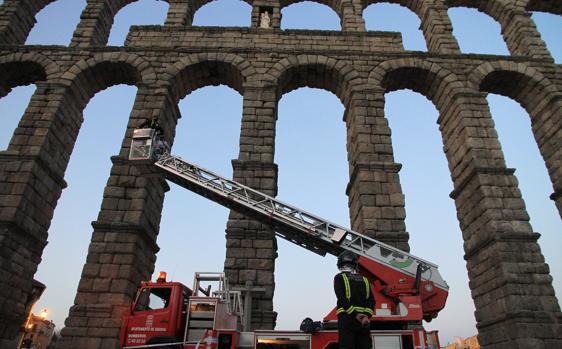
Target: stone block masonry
510, 282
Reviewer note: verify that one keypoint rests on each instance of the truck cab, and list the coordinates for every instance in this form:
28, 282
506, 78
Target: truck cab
158, 313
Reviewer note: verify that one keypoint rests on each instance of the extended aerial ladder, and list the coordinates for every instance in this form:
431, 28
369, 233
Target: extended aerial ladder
407, 289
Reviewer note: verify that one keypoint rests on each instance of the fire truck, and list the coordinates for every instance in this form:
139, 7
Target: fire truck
213, 315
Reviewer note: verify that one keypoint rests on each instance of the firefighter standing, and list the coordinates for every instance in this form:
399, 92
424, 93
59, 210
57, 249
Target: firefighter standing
355, 304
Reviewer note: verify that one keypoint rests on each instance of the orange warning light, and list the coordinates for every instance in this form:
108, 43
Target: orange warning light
161, 276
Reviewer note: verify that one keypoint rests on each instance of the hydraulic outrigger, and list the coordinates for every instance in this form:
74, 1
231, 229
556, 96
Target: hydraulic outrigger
407, 289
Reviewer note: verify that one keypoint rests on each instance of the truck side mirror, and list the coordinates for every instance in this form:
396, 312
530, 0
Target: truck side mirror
143, 300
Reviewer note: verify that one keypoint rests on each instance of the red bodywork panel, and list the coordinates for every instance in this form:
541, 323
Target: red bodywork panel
143, 324
390, 288
326, 339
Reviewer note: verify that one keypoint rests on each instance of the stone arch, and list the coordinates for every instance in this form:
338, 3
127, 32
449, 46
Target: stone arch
106, 69
446, 91
435, 23
198, 70
156, 15
336, 5
492, 8
18, 69
414, 6
511, 79
348, 11
19, 19
38, 5
540, 98
315, 71
434, 82
21, 69
542, 6
97, 20
411, 8
195, 71
89, 76
427, 78
118, 5
518, 29
197, 4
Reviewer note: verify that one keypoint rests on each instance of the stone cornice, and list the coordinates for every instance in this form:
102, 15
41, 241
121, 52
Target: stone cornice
385, 166
478, 171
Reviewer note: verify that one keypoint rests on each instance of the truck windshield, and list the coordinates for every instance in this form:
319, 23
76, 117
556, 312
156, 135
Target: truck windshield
153, 298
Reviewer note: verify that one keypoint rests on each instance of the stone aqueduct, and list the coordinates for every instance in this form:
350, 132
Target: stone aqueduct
509, 280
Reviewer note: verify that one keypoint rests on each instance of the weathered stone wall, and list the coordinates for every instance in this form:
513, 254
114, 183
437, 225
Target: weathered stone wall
509, 280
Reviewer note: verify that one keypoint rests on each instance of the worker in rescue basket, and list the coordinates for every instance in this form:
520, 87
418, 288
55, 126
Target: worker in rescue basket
355, 304
153, 124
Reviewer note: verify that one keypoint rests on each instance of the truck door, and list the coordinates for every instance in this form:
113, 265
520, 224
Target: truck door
151, 317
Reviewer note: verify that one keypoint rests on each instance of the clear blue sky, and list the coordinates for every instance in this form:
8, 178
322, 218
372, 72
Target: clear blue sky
312, 170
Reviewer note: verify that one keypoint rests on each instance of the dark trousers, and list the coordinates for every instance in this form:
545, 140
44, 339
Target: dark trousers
351, 334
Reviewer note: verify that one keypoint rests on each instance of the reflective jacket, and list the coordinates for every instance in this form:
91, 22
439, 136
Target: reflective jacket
354, 294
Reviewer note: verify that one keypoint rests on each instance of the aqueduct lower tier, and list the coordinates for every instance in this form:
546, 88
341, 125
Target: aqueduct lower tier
509, 280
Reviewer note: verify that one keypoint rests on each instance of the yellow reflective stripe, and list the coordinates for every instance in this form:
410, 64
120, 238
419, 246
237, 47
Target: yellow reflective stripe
367, 310
367, 287
353, 308
347, 288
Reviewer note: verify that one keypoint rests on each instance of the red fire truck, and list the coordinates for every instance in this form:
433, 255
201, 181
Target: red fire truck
211, 315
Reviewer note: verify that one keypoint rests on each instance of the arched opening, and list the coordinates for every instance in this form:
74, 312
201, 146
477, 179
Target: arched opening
12, 108
470, 26
50, 30
431, 217
533, 91
396, 18
426, 180
524, 119
313, 175
142, 12
296, 15
192, 227
17, 86
62, 114
224, 13
513, 125
311, 143
550, 26
101, 134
